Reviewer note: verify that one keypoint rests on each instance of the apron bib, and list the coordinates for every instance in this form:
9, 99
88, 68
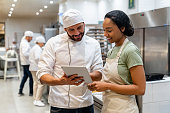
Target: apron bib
112, 101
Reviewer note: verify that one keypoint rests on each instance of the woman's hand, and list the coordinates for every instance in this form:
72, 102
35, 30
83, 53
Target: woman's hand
71, 80
98, 86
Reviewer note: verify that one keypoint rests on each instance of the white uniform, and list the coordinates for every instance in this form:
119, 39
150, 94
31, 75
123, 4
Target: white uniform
34, 57
35, 54
61, 50
24, 51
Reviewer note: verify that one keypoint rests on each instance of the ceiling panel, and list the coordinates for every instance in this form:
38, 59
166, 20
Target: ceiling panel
28, 8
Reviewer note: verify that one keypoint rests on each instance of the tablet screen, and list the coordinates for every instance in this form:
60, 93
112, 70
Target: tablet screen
81, 71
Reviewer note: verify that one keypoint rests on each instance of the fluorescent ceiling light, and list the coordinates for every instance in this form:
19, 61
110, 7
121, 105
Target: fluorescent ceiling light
13, 5
45, 7
15, 0
51, 2
11, 9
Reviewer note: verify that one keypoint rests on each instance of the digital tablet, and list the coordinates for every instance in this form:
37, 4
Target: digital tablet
81, 71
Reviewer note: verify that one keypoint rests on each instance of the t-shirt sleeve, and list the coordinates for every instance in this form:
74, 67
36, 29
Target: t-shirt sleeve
133, 57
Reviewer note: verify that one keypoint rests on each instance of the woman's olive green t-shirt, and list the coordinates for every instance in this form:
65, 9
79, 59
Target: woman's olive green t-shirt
129, 57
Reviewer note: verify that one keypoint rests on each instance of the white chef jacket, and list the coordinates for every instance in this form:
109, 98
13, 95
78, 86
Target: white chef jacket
61, 50
34, 57
24, 51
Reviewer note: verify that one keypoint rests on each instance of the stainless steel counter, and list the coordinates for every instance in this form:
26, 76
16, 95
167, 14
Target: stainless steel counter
98, 103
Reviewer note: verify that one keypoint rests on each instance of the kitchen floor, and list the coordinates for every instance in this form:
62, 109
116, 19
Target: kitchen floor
10, 102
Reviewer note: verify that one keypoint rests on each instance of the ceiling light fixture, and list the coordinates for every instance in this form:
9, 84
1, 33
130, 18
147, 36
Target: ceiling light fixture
45, 7
11, 9
13, 5
37, 13
15, 0
9, 14
51, 2
41, 10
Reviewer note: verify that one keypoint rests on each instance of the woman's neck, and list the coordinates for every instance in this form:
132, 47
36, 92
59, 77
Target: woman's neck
120, 42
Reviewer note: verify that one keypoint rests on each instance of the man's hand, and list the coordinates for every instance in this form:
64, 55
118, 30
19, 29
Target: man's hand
96, 75
71, 80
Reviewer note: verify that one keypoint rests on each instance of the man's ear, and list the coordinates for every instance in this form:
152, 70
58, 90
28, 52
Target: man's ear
26, 38
65, 29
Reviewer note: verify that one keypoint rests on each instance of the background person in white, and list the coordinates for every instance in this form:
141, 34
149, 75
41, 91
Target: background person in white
72, 48
35, 54
24, 57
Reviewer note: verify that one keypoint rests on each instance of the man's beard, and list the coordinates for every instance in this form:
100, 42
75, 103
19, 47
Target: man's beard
77, 39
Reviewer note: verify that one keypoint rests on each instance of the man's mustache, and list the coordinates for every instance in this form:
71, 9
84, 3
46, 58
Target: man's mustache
77, 35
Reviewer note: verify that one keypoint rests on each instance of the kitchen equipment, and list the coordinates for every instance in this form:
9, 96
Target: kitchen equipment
154, 76
152, 37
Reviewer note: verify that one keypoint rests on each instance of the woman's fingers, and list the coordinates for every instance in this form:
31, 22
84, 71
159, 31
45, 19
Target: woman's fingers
91, 86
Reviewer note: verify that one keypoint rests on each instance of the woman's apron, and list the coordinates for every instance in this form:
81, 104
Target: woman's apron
112, 101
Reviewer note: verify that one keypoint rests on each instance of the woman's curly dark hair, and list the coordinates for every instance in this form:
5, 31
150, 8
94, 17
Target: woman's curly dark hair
121, 20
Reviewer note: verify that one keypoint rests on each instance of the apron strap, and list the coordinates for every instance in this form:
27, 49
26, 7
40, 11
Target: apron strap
120, 51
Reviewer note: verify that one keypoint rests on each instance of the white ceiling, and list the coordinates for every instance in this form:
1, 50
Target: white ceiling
28, 8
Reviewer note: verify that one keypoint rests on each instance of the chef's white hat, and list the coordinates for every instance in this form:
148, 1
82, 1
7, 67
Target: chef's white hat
72, 17
40, 39
28, 33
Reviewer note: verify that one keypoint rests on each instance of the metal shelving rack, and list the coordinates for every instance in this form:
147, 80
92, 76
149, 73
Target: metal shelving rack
98, 34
